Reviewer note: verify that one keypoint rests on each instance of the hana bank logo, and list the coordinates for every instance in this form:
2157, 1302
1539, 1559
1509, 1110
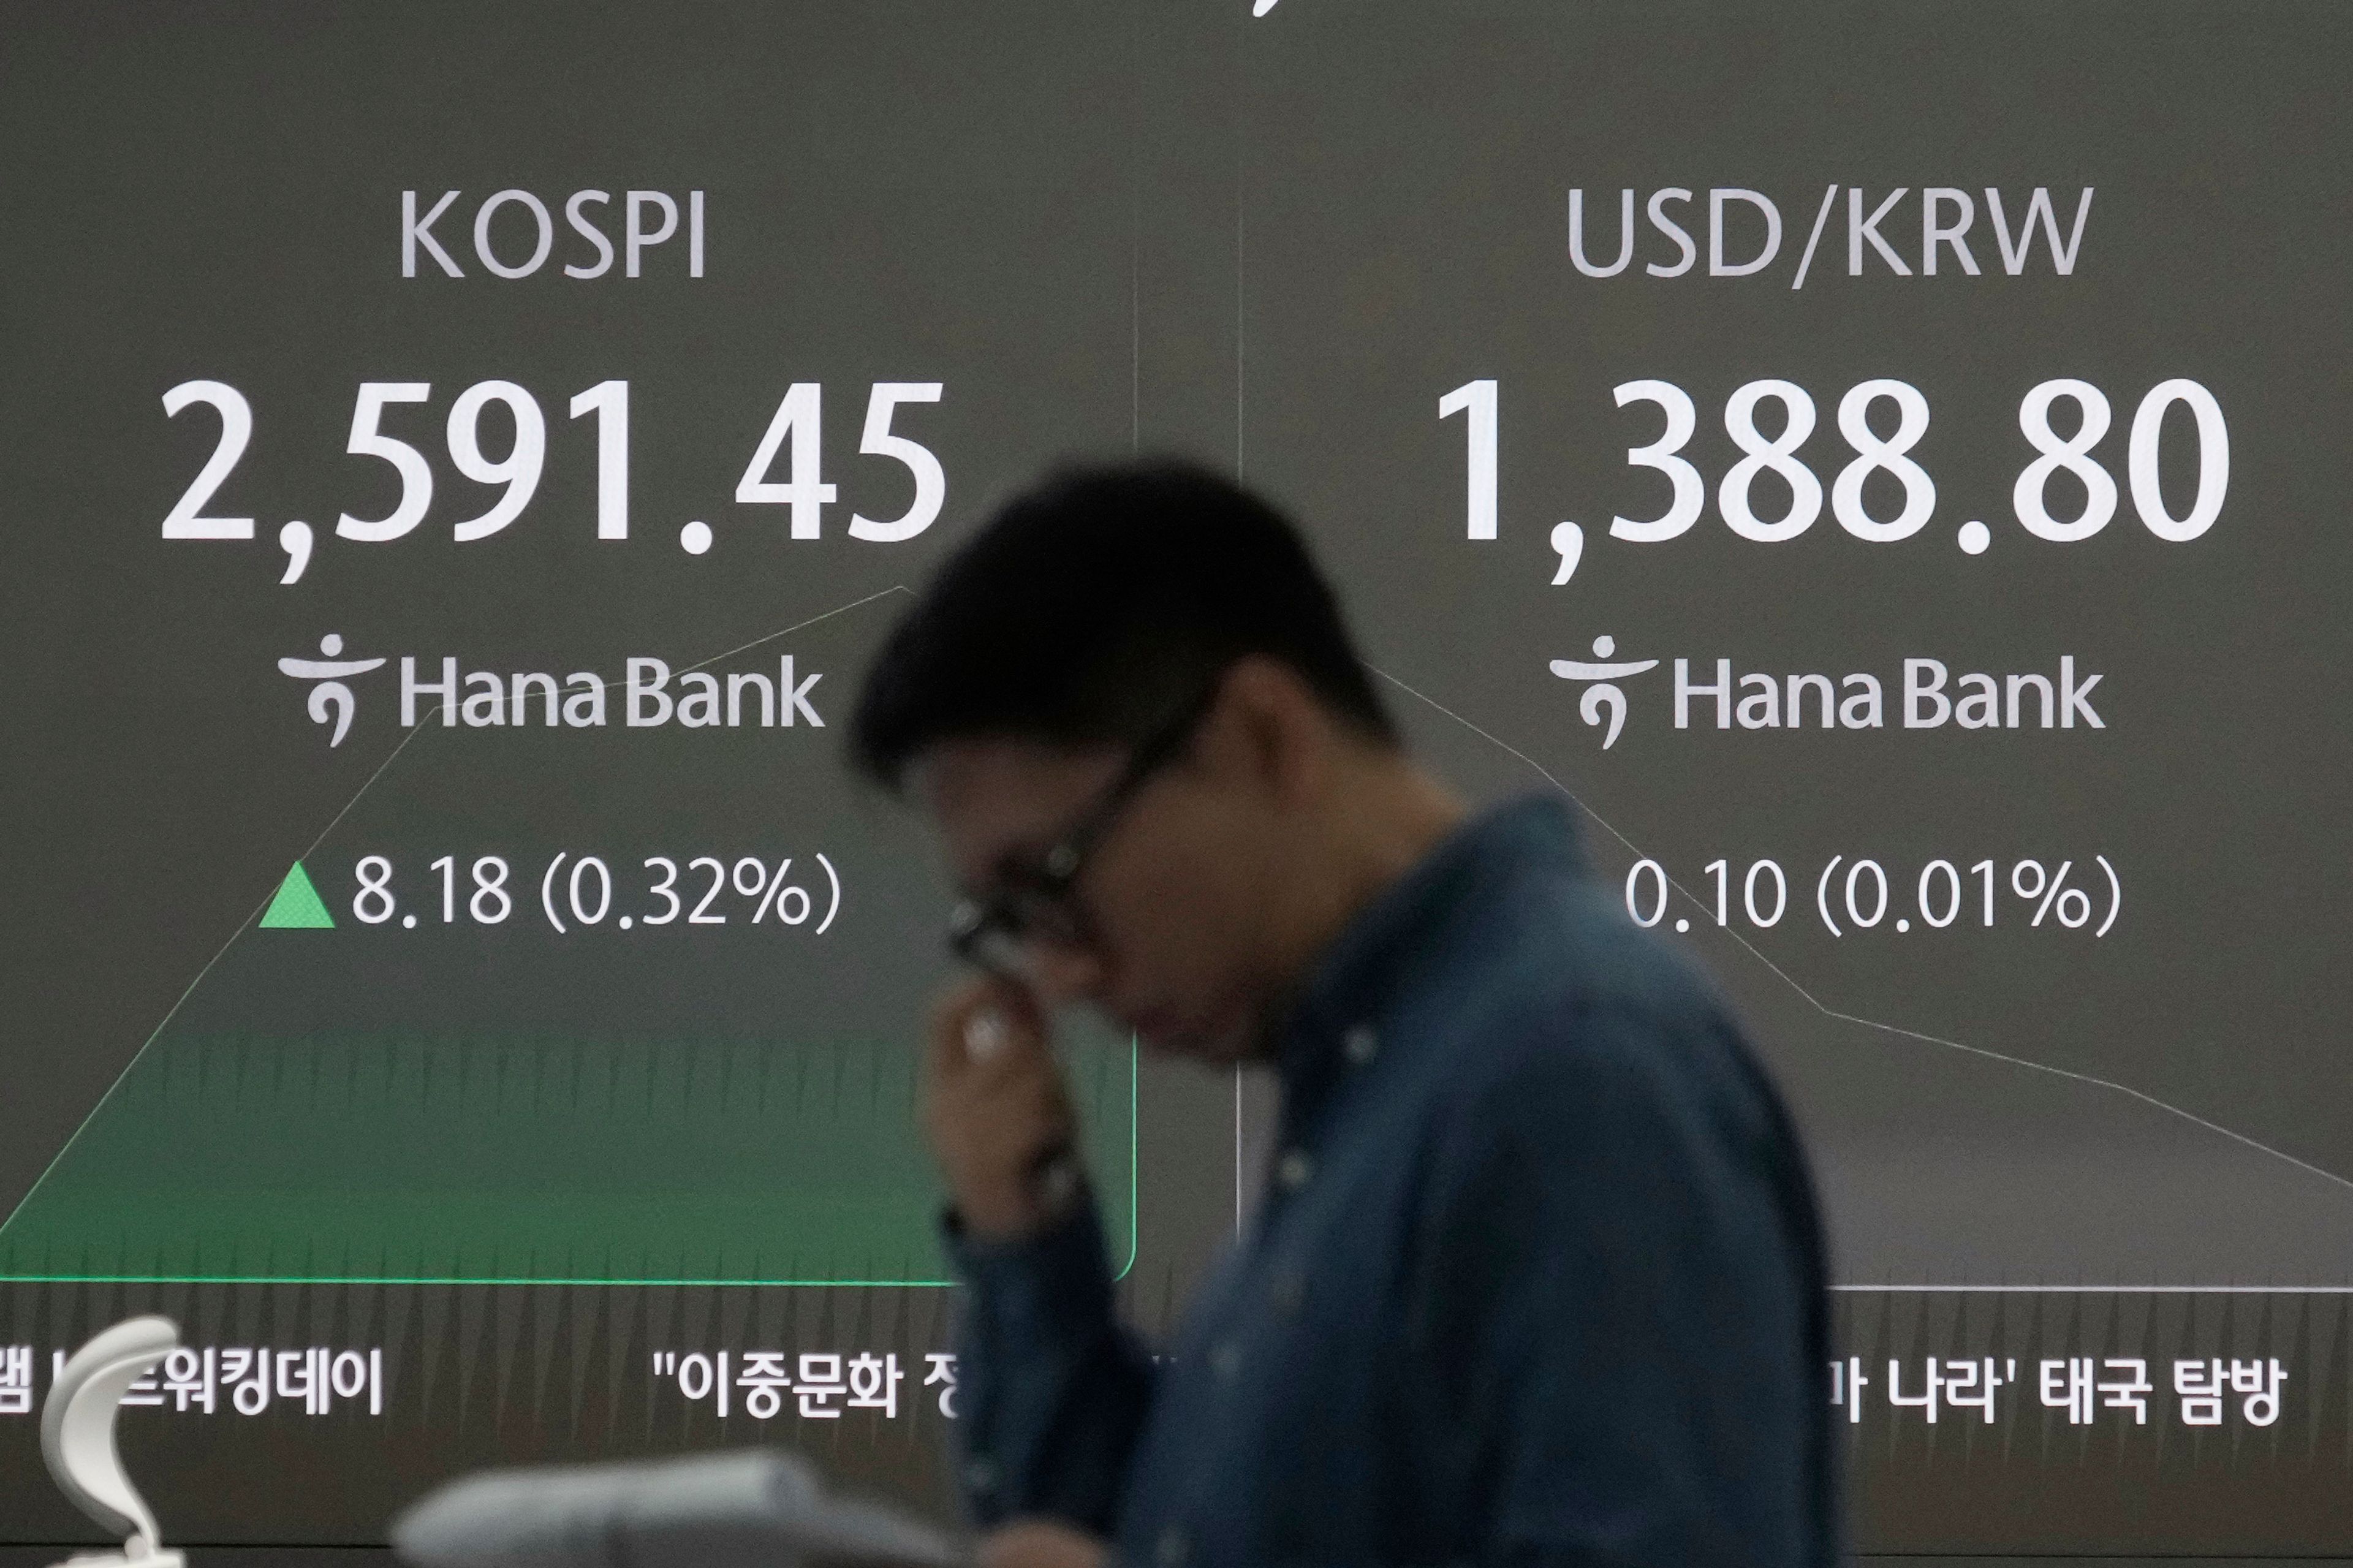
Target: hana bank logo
1926, 694
648, 694
331, 699
1604, 696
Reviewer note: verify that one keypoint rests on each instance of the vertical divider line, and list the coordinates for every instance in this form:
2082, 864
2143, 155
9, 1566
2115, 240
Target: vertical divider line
1242, 148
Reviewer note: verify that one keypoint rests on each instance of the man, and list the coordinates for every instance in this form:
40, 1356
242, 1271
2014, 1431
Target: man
1538, 1275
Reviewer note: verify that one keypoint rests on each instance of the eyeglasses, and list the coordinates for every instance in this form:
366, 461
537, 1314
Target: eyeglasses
1040, 900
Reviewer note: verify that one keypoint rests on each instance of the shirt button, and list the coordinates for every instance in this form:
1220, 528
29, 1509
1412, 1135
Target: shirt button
1359, 1044
1172, 1549
980, 1474
1294, 1169
1226, 1360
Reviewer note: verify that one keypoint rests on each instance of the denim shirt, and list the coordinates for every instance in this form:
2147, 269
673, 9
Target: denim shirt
1538, 1277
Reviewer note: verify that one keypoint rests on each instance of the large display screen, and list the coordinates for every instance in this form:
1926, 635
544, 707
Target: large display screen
1882, 463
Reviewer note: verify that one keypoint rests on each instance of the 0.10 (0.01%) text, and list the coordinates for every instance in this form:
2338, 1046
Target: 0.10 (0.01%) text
1861, 895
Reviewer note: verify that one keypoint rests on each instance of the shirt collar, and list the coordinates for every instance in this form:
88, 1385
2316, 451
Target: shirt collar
1382, 950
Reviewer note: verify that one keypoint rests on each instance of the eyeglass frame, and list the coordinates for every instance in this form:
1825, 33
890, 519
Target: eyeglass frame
1052, 880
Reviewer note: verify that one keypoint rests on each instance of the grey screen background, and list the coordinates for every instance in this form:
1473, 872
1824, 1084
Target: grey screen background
1272, 243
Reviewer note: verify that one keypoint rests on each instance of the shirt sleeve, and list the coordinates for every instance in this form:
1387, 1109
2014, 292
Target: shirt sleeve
1051, 1390
1619, 1311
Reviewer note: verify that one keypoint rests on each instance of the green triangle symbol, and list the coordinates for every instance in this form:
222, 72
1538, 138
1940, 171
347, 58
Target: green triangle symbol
296, 905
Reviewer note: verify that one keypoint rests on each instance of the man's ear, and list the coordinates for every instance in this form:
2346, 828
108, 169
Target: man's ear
1281, 732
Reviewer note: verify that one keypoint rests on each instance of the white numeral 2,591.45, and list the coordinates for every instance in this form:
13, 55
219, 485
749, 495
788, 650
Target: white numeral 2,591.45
798, 420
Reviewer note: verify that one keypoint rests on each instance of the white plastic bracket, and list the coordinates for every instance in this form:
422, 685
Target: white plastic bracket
77, 1440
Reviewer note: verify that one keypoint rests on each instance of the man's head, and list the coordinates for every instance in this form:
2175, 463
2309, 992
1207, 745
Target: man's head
1160, 773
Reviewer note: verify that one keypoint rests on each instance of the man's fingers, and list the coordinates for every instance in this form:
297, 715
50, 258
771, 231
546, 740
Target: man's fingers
993, 1103
985, 1024
989, 1062
985, 1033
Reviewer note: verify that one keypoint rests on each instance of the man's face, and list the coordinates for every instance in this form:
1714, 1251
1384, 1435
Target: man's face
1173, 897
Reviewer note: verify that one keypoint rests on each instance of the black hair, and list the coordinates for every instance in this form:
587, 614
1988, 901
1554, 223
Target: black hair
1092, 607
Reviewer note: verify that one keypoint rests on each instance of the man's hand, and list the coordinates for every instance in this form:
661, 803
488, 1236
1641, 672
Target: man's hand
1041, 1543
993, 1107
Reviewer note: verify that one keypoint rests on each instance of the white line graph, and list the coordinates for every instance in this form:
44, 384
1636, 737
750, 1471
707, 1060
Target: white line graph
1829, 1011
